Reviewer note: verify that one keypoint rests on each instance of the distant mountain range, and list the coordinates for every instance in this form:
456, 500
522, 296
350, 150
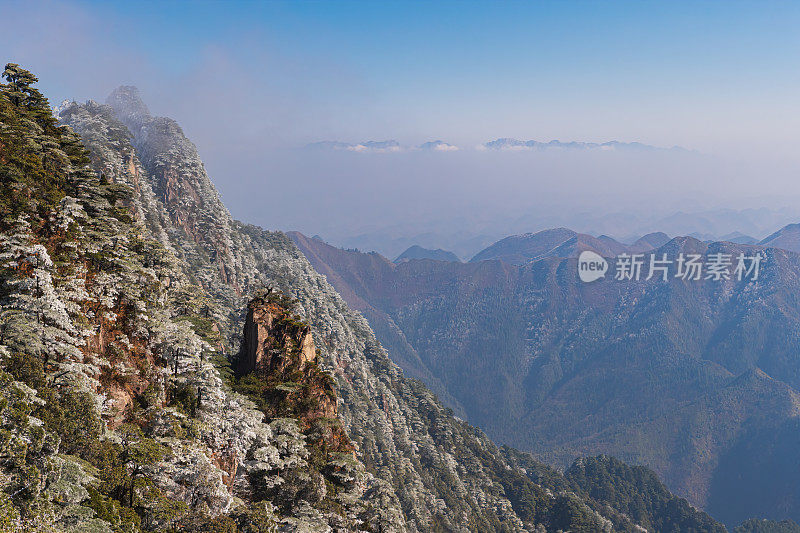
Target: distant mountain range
698, 380
466, 237
562, 242
505, 143
381, 146
368, 146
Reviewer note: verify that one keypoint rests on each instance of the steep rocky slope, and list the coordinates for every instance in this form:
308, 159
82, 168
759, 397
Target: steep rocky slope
696, 379
347, 283
117, 413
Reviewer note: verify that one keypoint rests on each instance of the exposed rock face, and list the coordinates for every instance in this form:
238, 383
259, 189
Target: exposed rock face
180, 182
279, 350
272, 341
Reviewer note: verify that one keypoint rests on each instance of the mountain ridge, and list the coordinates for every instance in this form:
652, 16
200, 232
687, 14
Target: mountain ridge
511, 144
553, 346
563, 242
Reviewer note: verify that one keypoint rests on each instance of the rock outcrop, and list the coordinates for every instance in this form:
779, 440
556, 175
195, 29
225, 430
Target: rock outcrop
278, 352
273, 341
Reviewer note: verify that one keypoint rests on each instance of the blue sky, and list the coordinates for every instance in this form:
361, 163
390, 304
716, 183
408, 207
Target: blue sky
704, 74
251, 82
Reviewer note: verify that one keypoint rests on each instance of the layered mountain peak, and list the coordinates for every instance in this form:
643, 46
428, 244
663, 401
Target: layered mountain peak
563, 242
556, 242
418, 252
180, 183
788, 238
650, 241
127, 103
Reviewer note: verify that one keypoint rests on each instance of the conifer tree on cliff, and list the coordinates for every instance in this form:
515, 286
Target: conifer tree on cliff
21, 93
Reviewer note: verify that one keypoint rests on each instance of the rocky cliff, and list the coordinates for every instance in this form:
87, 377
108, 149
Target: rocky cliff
118, 407
269, 334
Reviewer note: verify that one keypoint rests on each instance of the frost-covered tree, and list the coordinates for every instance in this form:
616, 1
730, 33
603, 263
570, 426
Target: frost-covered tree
34, 317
